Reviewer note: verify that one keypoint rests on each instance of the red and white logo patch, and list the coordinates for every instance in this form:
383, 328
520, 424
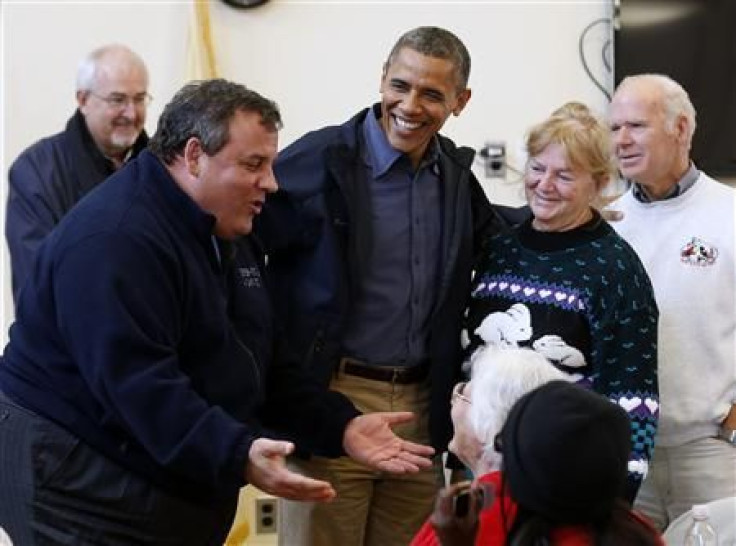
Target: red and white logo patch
698, 252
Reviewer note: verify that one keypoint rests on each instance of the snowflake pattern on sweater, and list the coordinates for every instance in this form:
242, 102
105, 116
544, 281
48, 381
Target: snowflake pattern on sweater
583, 300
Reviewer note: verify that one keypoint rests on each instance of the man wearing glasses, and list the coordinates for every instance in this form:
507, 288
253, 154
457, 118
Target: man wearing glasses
50, 176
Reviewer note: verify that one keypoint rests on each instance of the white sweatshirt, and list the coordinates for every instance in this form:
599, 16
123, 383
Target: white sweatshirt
687, 246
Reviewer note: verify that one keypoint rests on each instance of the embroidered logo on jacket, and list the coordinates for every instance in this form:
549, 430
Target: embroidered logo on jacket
698, 252
249, 277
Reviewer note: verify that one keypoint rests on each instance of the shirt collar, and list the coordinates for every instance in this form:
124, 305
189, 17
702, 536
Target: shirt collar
379, 154
685, 183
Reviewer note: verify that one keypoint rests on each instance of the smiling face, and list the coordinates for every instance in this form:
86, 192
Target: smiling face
559, 194
232, 184
648, 151
418, 93
115, 128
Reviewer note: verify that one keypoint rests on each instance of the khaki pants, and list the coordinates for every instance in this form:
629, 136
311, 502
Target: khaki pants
679, 477
372, 508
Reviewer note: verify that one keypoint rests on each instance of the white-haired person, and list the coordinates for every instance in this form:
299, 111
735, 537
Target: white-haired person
564, 456
52, 175
479, 409
681, 222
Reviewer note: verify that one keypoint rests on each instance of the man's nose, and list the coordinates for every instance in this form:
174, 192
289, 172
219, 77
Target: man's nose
269, 183
622, 136
130, 109
410, 103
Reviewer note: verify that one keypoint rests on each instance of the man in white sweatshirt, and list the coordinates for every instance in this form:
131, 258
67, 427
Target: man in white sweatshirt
681, 223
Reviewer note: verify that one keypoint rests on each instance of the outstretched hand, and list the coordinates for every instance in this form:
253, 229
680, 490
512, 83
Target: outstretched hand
369, 440
266, 470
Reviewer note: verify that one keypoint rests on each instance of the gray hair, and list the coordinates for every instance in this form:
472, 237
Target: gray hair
439, 43
499, 378
89, 67
675, 100
203, 110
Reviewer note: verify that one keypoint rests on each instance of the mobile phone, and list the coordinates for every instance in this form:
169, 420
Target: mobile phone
461, 503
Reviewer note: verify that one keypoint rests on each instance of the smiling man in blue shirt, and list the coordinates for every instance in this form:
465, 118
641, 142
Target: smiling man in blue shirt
370, 245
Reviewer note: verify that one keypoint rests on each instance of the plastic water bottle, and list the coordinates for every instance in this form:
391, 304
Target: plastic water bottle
4, 538
701, 532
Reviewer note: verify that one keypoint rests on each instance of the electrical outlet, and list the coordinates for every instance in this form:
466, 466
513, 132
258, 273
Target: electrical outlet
494, 159
266, 516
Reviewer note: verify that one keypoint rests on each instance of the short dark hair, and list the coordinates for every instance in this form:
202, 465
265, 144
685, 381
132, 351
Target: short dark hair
439, 43
203, 109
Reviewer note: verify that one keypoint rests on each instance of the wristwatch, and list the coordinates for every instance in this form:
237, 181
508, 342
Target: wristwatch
727, 434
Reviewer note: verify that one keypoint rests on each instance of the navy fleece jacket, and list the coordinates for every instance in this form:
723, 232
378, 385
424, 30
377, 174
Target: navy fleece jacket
138, 336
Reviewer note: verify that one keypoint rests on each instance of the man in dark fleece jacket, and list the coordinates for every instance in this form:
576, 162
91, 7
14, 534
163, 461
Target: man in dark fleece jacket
52, 175
142, 368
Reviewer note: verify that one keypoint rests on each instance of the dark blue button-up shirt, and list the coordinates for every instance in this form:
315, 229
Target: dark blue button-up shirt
388, 322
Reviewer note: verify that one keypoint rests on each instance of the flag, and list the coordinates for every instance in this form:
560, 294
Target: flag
201, 62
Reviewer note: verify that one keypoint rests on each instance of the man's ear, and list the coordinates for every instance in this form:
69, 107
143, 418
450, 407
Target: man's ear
82, 97
462, 100
682, 127
193, 155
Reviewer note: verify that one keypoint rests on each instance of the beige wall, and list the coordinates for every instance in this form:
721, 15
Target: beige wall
320, 61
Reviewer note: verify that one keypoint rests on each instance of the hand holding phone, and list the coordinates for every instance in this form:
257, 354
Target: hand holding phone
456, 513
461, 501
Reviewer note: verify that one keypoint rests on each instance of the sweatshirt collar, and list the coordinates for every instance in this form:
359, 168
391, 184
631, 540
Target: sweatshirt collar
685, 183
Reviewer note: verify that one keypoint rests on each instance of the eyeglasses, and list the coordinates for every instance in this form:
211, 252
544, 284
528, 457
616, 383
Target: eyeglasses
457, 392
118, 101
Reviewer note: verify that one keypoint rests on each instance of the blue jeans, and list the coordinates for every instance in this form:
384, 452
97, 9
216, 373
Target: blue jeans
55, 489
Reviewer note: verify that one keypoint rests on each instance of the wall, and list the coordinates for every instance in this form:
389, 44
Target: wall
42, 43
320, 61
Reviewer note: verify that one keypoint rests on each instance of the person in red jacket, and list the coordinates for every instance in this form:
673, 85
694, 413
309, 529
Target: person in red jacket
564, 451
479, 409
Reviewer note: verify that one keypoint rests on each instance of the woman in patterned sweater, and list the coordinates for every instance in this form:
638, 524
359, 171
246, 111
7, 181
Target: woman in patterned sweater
566, 285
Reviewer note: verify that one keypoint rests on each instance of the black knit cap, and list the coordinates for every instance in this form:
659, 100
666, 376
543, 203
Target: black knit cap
565, 453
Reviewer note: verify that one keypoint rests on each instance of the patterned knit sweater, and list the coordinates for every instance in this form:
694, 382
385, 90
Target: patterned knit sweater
582, 299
